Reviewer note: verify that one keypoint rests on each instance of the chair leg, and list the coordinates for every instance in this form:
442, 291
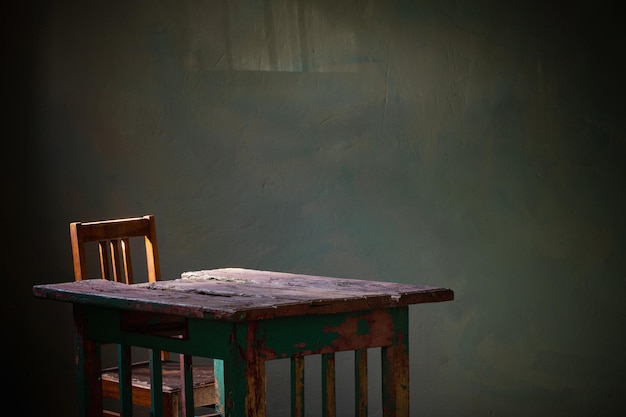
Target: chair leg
170, 406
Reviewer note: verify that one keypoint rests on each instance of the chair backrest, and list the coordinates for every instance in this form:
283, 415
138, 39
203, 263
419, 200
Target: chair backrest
114, 247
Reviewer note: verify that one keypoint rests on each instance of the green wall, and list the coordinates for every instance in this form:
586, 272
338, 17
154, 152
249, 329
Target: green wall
474, 146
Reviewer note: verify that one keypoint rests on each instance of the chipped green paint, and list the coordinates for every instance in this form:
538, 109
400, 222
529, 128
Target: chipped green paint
363, 327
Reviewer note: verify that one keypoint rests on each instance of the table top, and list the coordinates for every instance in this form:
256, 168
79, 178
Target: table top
237, 294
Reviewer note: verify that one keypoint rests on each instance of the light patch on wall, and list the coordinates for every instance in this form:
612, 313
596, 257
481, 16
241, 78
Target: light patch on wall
288, 36
273, 35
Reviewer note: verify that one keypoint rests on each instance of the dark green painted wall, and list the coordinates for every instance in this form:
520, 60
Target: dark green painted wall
474, 146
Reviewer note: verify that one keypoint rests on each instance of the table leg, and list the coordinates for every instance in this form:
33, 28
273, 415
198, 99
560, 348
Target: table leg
220, 389
241, 378
125, 379
88, 368
186, 375
156, 383
395, 367
255, 378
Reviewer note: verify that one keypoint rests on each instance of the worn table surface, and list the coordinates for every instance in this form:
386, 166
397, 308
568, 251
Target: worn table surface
236, 294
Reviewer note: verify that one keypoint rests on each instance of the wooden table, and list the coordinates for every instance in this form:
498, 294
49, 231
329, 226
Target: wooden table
242, 318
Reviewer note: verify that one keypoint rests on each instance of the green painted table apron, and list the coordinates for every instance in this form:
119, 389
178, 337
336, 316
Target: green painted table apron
242, 318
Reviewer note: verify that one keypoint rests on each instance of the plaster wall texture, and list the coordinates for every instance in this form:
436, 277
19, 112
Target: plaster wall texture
474, 146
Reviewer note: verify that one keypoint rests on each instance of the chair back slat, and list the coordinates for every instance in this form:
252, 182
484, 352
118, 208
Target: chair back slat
105, 266
116, 264
127, 260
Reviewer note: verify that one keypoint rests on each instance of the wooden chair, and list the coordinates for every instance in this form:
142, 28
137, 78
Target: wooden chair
113, 238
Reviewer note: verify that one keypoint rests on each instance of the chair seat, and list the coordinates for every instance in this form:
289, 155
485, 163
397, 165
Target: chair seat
204, 389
